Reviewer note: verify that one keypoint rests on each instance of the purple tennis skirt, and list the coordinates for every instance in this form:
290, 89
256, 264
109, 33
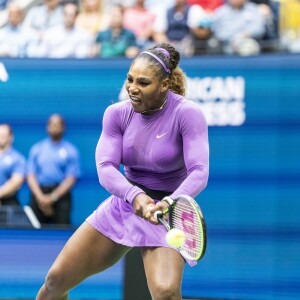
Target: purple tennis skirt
115, 219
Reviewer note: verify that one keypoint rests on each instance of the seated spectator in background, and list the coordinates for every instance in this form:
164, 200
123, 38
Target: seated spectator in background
116, 41
238, 25
179, 25
140, 21
109, 4
290, 25
91, 16
52, 171
42, 17
159, 4
158, 8
202, 32
207, 5
270, 15
3, 4
12, 168
12, 36
66, 40
3, 13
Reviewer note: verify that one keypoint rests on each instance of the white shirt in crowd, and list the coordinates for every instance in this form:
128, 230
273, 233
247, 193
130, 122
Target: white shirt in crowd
58, 42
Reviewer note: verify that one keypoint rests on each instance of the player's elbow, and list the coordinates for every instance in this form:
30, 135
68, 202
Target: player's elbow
201, 174
105, 170
205, 176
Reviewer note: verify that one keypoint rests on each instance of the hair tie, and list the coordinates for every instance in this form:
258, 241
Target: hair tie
158, 59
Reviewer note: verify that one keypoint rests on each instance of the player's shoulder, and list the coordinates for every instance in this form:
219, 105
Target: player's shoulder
119, 110
188, 110
186, 106
119, 106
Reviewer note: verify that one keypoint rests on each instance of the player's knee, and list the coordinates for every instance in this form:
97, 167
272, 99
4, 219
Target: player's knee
165, 291
55, 280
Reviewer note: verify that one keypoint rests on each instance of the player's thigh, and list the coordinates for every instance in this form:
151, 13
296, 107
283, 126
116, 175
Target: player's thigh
87, 252
163, 266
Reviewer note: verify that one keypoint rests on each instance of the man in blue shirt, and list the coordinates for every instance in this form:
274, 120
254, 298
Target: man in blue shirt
12, 168
52, 171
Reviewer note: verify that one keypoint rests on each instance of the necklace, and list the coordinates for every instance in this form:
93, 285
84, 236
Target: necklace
155, 110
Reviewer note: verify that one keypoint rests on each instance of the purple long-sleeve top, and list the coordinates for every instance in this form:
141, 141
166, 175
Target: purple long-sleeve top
165, 151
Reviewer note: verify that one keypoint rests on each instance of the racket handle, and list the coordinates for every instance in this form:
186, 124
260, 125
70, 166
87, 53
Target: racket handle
158, 214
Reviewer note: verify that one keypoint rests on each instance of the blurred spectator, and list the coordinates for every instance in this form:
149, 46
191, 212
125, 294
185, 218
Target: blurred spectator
12, 168
237, 25
12, 37
140, 20
159, 5
3, 4
42, 17
116, 40
91, 16
207, 5
270, 15
179, 25
202, 32
52, 171
109, 4
290, 25
65, 41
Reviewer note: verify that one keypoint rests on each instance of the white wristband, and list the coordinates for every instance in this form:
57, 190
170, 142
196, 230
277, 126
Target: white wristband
169, 200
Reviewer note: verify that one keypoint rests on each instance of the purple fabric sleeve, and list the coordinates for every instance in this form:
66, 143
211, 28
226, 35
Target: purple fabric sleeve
108, 159
194, 131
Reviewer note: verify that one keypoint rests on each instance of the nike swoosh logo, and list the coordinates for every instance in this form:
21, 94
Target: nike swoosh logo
158, 136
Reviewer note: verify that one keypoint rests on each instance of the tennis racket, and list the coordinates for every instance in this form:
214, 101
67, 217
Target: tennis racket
186, 215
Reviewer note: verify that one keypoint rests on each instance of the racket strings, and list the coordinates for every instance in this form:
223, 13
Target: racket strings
183, 217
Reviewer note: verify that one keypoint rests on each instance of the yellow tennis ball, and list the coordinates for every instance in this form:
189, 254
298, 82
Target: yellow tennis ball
175, 237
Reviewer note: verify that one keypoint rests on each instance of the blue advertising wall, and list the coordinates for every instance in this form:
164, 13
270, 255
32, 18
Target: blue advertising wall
251, 204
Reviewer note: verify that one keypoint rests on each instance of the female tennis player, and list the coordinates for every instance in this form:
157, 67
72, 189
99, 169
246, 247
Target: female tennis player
161, 138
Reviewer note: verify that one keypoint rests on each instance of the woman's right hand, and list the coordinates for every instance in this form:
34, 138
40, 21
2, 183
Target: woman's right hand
142, 204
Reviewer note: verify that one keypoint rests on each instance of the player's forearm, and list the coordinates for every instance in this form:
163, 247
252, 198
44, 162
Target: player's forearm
11, 186
115, 183
63, 188
34, 186
194, 184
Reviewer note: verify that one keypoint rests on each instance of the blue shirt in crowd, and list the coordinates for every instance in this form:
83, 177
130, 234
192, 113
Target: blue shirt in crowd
11, 162
53, 162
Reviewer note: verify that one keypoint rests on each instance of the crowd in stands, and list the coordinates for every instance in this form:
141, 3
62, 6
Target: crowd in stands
114, 28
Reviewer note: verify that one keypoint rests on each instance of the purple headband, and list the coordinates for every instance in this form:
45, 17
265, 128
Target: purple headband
164, 51
158, 59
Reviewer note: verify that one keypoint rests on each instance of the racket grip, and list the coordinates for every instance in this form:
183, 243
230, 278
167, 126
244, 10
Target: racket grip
158, 214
